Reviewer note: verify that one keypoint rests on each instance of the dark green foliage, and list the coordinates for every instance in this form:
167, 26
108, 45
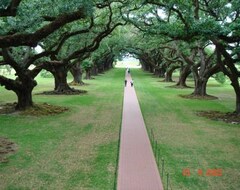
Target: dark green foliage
4, 4
46, 74
86, 64
220, 77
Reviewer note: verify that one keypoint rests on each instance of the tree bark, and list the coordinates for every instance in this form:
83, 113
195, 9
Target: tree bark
228, 67
144, 67
23, 90
238, 103
185, 72
169, 73
94, 70
157, 72
61, 85
77, 73
150, 69
200, 87
60, 78
236, 87
168, 76
88, 74
24, 99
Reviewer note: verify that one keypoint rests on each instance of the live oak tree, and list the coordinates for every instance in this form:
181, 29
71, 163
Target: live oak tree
78, 45
187, 21
27, 31
24, 30
202, 64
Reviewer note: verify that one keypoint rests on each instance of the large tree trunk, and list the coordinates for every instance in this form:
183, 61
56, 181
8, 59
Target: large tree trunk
236, 87
184, 73
144, 66
60, 78
168, 76
228, 67
88, 74
169, 73
94, 70
200, 87
238, 103
23, 89
162, 74
109, 61
24, 93
60, 75
61, 81
157, 72
77, 73
24, 99
200, 82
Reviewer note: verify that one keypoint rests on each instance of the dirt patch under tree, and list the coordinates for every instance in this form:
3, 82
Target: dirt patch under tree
6, 148
191, 96
37, 109
230, 117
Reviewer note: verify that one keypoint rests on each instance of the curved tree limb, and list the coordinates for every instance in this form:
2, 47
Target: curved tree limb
32, 39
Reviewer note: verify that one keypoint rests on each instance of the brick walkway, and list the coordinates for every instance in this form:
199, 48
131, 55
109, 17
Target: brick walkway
137, 166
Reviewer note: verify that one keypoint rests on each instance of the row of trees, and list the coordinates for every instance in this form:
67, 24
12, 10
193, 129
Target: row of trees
200, 37
67, 34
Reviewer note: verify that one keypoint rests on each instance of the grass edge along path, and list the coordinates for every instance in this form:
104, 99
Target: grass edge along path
193, 147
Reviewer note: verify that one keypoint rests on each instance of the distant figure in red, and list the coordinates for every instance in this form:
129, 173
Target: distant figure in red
125, 82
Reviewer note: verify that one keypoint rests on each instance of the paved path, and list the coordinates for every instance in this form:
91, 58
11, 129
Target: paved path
137, 166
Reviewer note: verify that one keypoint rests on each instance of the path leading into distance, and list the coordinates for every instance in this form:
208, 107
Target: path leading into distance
137, 168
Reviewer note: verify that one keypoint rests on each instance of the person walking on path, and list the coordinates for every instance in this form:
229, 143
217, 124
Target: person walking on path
131, 83
125, 82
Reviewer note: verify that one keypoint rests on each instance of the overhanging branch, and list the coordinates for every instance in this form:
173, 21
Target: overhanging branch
33, 38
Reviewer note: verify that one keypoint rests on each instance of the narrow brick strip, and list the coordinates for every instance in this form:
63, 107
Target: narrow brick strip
137, 166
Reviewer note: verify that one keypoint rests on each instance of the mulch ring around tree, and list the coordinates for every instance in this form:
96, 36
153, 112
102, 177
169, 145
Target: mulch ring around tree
231, 117
6, 148
65, 92
191, 96
40, 109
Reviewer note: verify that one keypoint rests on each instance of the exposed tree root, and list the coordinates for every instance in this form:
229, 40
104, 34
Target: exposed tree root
76, 83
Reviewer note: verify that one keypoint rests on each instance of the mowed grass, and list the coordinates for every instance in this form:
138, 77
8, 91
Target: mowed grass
73, 150
187, 141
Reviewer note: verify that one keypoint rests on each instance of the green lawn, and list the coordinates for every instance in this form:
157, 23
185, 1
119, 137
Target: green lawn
79, 149
73, 150
187, 141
